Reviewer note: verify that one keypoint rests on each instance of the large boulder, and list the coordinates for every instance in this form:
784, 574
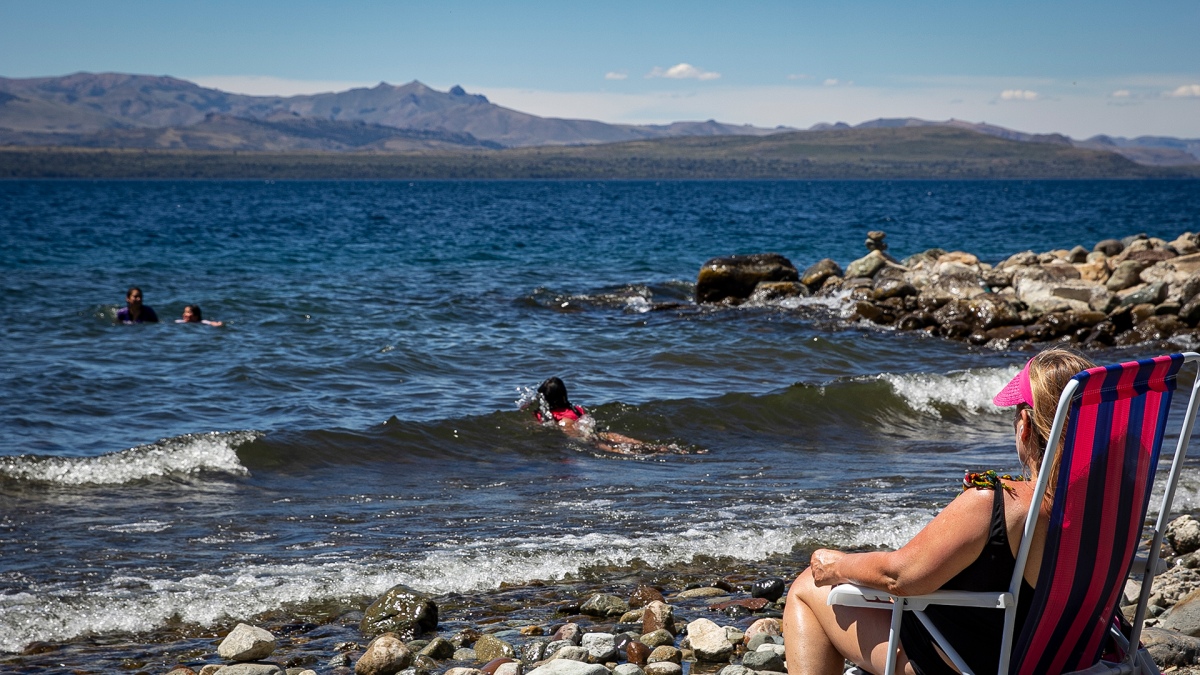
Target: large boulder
402, 611
736, 276
818, 272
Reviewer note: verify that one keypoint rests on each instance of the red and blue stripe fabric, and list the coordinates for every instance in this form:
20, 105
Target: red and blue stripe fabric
1114, 433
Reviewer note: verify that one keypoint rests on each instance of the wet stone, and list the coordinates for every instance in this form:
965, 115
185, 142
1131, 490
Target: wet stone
644, 595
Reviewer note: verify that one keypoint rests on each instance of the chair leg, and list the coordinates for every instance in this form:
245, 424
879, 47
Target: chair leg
894, 636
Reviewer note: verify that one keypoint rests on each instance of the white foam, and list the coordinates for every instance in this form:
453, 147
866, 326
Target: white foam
969, 390
181, 455
131, 604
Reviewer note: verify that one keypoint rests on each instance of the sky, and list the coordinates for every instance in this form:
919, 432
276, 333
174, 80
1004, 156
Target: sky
1079, 68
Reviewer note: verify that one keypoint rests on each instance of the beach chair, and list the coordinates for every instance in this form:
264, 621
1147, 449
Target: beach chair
1114, 430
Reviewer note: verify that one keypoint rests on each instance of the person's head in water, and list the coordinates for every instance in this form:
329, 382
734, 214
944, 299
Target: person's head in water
554, 392
191, 314
133, 297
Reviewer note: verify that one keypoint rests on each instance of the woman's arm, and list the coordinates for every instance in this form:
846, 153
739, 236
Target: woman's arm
942, 549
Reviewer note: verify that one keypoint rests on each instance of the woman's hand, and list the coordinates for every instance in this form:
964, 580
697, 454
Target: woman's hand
822, 566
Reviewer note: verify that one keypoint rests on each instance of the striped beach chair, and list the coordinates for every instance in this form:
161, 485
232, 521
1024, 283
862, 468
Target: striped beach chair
1115, 418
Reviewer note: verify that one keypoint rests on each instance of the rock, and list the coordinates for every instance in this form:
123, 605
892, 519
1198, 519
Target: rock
600, 647
1149, 294
533, 630
463, 671
210, 669
1190, 313
1022, 259
1077, 255
568, 653
533, 651
489, 647
602, 604
875, 240
767, 291
253, 668
768, 627
1093, 272
628, 669
1183, 533
246, 643
663, 668
867, 266
658, 615
666, 653
736, 276
1186, 243
510, 668
1126, 274
749, 604
1109, 247
702, 592
464, 654
465, 637
1170, 649
771, 588
893, 288
736, 670
1184, 617
709, 641
636, 652
819, 272
657, 638
569, 632
492, 666
569, 667
181, 670
438, 648
402, 611
385, 655
644, 595
763, 661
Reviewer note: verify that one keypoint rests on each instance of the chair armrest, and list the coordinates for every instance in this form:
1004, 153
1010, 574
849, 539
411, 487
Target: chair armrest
850, 595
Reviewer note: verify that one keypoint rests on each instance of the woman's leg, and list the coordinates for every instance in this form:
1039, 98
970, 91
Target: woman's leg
819, 638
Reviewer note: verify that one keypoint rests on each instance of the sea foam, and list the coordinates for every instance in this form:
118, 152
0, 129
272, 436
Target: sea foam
180, 455
969, 390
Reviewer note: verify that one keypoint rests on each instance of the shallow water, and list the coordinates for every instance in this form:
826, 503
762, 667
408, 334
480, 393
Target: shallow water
354, 424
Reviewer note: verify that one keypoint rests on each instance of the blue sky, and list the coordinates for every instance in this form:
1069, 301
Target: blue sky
1080, 68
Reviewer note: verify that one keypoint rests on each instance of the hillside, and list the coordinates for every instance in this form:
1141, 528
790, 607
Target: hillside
68, 110
922, 152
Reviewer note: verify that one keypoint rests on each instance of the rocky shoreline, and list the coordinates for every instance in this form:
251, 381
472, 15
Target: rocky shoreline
1121, 292
726, 626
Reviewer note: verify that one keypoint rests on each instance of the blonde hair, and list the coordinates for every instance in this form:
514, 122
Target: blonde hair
1049, 373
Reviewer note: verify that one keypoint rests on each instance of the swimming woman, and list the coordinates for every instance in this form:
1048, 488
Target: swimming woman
577, 423
971, 545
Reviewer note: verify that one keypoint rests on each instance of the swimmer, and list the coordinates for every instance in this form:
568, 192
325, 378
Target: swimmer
191, 314
134, 311
577, 423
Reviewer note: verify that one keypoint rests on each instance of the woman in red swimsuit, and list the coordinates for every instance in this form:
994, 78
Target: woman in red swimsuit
576, 423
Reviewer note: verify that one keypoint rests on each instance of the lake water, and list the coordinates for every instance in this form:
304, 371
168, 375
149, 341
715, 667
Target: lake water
354, 424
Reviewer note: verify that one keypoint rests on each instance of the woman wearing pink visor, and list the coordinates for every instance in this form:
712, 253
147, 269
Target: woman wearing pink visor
970, 545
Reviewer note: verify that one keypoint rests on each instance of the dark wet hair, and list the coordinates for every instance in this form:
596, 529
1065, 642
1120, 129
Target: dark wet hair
131, 290
555, 393
196, 315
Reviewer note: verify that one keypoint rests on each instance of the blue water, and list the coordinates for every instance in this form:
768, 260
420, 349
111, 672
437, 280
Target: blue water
354, 423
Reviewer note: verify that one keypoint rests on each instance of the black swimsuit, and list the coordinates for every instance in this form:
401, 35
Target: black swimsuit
974, 632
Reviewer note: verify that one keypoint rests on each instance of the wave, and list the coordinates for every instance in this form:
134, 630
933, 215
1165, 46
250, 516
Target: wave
132, 603
186, 455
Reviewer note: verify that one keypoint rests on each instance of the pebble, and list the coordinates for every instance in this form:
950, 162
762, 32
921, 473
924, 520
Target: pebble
246, 643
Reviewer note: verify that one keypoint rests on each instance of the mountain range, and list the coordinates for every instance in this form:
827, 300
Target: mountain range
117, 110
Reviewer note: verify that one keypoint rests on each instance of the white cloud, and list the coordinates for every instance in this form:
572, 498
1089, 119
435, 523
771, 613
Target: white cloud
1186, 91
1121, 93
260, 85
831, 82
1018, 95
683, 71
613, 75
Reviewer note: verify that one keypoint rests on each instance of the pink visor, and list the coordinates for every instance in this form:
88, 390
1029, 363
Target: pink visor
1018, 390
